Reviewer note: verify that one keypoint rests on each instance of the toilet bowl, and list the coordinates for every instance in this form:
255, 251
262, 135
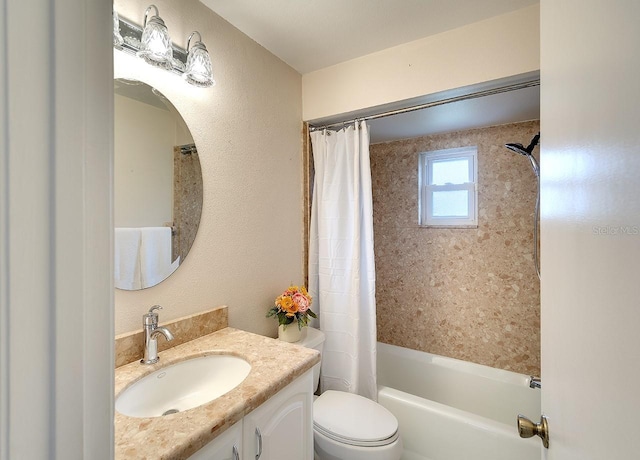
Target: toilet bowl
348, 426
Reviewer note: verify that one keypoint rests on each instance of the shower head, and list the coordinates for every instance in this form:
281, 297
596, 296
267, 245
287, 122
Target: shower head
519, 148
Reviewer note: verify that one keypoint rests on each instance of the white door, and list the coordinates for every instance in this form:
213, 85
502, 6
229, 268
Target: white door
590, 126
56, 288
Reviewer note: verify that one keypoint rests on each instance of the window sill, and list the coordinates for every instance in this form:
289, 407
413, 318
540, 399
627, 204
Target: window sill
470, 226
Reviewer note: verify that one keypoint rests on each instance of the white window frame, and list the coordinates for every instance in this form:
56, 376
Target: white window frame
427, 188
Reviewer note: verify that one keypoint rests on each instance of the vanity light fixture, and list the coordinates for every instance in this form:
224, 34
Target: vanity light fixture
155, 44
117, 36
152, 43
199, 72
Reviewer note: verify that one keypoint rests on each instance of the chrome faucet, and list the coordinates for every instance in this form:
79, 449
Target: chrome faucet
535, 382
151, 332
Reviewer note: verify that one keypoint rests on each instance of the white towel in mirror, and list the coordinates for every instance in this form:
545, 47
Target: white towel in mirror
155, 255
127, 274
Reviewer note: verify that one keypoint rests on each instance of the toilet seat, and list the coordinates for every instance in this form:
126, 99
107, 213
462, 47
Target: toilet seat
354, 420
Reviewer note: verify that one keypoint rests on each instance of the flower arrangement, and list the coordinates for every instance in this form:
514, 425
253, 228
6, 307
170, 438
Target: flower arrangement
293, 305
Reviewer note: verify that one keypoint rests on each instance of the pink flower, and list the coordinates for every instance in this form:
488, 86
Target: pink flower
301, 301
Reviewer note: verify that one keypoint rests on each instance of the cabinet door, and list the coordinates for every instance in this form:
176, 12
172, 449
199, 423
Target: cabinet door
227, 446
282, 428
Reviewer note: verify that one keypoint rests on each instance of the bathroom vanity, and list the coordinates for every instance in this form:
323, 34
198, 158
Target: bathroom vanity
278, 429
267, 416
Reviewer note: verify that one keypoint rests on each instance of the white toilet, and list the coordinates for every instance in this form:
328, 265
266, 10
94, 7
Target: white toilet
348, 426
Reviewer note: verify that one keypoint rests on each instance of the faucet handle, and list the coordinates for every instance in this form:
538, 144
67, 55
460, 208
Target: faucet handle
151, 318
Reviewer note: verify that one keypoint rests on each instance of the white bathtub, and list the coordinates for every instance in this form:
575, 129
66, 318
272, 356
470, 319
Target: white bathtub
455, 410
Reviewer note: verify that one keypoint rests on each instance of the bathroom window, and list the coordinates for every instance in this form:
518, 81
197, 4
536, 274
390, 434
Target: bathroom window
448, 194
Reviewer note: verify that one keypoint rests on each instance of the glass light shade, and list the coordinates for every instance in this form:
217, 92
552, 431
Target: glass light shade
199, 72
155, 44
117, 37
179, 65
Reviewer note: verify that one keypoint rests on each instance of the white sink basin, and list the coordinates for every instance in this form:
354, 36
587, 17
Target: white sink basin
183, 386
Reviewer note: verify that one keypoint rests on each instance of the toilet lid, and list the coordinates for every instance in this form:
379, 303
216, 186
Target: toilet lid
354, 419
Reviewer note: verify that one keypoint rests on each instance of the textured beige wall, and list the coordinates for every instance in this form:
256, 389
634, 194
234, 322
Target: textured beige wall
499, 47
470, 294
247, 129
143, 163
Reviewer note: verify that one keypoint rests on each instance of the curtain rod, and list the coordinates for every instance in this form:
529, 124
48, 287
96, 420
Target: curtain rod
488, 92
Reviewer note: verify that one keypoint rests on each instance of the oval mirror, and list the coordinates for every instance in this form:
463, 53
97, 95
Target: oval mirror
157, 186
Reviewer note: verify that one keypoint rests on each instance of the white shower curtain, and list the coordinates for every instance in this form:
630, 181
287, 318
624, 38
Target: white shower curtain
341, 259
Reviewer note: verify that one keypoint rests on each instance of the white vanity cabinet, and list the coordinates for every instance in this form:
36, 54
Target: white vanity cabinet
227, 446
280, 429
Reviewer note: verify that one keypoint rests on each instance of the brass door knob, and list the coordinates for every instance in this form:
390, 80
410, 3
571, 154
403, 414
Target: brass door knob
527, 429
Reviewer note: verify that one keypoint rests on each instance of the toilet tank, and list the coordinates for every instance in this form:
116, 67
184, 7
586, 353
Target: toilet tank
314, 338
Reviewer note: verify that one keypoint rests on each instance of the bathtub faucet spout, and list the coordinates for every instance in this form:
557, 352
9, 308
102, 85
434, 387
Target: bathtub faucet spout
535, 382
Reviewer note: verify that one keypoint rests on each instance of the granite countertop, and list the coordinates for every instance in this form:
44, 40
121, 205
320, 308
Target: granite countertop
274, 364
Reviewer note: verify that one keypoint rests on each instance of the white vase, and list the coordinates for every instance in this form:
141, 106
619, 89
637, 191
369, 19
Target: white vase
289, 332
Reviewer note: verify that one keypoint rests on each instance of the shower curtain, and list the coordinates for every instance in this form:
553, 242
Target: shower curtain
341, 259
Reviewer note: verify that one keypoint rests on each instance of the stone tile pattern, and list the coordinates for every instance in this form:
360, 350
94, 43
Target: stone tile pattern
470, 294
187, 201
274, 364
130, 345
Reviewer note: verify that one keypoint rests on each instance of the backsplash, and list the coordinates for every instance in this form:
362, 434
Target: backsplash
470, 294
130, 346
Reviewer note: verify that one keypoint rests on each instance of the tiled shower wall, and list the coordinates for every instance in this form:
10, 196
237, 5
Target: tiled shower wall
470, 294
187, 201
